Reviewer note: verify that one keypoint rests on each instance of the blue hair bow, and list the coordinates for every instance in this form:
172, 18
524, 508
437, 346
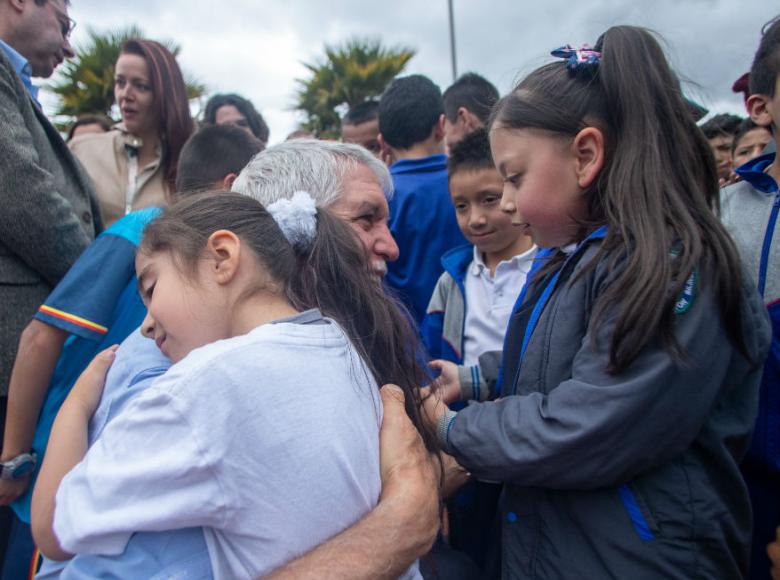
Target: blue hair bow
578, 58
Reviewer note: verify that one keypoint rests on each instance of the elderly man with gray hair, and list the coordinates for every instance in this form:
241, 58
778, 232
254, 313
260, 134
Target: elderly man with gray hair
346, 179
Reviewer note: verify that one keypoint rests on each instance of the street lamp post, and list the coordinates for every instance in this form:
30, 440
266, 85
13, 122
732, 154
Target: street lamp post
453, 56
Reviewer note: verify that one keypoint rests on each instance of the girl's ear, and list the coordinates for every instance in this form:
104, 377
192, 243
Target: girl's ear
588, 150
227, 181
223, 248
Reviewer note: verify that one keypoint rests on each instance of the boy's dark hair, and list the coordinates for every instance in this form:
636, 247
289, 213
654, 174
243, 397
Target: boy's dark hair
745, 127
471, 153
213, 153
766, 62
723, 125
362, 113
333, 275
253, 118
409, 110
473, 92
655, 193
104, 122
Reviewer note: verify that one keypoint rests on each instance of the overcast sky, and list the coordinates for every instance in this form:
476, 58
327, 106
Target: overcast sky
256, 48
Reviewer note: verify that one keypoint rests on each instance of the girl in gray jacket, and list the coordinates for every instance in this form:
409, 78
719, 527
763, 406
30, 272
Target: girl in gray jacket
632, 358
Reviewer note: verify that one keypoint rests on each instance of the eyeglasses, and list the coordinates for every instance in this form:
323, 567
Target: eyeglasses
67, 24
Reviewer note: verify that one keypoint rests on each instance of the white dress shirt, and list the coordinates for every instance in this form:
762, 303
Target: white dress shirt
489, 302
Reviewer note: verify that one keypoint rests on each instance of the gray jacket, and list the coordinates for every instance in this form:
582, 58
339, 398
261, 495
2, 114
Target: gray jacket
48, 217
628, 476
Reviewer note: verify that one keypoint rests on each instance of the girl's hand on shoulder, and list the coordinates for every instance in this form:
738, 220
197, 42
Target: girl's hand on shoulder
447, 385
89, 387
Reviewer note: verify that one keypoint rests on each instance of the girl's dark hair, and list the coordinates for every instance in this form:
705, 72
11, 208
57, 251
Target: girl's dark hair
170, 101
333, 276
254, 119
656, 191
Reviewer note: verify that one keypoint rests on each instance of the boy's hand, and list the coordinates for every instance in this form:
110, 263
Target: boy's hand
89, 387
11, 489
447, 385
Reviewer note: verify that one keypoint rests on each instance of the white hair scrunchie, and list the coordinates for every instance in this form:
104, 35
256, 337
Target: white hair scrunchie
297, 218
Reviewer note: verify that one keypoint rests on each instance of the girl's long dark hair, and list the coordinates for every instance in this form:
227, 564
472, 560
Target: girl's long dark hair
333, 275
657, 192
170, 101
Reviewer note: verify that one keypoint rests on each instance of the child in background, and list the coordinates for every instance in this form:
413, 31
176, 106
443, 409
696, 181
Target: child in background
632, 361
749, 142
421, 220
241, 427
468, 314
720, 131
750, 211
95, 305
472, 300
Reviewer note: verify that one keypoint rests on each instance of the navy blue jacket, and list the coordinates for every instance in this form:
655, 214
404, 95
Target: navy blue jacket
423, 223
750, 210
633, 475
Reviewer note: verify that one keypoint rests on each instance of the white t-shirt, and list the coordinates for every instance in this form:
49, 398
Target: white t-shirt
489, 302
270, 441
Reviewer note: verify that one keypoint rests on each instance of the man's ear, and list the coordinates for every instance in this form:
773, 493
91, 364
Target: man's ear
438, 129
385, 151
588, 151
17, 5
223, 248
758, 109
469, 120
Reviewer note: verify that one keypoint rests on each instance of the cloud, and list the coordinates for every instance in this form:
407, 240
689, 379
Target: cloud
256, 49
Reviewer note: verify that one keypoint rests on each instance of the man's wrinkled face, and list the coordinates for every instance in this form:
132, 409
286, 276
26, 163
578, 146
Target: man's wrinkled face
364, 207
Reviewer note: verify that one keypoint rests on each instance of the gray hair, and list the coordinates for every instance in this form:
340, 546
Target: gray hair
317, 167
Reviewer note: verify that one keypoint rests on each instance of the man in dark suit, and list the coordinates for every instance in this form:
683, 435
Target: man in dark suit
49, 215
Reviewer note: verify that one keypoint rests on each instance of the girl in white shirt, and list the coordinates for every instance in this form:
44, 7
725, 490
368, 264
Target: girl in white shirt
265, 430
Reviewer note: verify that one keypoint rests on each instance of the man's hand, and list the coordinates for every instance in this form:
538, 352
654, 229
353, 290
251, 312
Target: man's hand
400, 529
89, 387
11, 489
447, 385
409, 479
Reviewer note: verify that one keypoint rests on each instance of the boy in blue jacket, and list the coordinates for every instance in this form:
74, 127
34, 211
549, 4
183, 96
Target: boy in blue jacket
468, 313
467, 316
750, 211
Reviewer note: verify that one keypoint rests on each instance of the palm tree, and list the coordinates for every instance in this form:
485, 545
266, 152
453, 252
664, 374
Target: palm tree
86, 83
357, 70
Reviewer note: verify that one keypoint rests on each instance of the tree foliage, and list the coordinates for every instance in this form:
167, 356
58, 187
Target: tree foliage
86, 82
349, 74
